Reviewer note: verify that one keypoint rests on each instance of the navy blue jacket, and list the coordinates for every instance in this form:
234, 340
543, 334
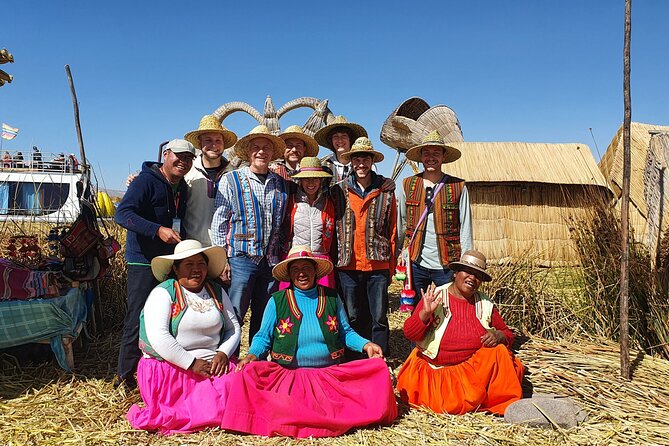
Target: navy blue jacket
148, 204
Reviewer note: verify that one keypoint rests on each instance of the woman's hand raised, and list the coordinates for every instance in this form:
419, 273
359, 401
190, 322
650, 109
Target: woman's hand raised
431, 301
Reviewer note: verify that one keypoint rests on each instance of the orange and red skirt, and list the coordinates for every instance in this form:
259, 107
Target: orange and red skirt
488, 381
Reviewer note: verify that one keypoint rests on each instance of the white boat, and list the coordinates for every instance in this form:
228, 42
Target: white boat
39, 186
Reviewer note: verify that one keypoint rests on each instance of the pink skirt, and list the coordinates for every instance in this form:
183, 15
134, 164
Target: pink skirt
268, 399
177, 400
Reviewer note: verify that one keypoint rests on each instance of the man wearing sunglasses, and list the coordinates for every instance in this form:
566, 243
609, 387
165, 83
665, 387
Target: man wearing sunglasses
211, 139
433, 214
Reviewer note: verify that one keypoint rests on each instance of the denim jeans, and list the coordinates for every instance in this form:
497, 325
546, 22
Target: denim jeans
140, 284
365, 296
250, 285
423, 277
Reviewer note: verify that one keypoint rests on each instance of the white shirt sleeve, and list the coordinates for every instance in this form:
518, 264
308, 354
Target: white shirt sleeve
157, 318
466, 231
233, 331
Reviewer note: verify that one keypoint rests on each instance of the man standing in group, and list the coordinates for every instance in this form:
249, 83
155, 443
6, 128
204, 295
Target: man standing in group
439, 224
147, 210
366, 227
338, 137
249, 210
298, 145
211, 138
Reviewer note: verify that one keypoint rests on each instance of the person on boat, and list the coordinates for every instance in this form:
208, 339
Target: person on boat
153, 200
249, 210
58, 163
18, 160
211, 139
434, 215
462, 361
298, 146
310, 214
6, 160
366, 241
304, 391
36, 158
188, 333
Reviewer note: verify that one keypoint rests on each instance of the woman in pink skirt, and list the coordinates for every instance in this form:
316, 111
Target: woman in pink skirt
188, 332
304, 391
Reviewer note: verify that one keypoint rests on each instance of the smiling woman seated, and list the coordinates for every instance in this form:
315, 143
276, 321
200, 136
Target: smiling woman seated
188, 332
462, 362
304, 391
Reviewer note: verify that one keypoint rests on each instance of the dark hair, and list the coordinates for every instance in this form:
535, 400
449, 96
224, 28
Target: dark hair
177, 262
341, 129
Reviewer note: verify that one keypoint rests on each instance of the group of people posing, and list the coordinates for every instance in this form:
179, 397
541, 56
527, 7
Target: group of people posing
309, 246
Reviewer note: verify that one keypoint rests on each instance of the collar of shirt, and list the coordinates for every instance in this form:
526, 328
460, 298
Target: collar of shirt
352, 183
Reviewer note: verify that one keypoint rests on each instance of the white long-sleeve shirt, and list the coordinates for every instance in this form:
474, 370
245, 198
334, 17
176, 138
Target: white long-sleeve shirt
199, 332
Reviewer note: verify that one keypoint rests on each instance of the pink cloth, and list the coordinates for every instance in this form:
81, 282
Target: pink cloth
269, 399
177, 400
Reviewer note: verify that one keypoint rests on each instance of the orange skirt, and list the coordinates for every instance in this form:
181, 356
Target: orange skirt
488, 381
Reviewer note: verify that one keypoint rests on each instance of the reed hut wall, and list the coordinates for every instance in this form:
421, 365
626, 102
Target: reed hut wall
649, 179
524, 196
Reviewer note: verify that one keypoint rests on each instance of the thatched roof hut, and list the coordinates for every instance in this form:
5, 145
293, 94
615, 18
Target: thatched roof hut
523, 194
649, 181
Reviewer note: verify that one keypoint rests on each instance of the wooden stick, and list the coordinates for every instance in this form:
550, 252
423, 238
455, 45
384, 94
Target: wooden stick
624, 207
77, 124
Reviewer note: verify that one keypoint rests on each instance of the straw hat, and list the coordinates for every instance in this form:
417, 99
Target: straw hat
295, 131
280, 271
472, 261
261, 131
161, 266
311, 167
322, 135
433, 139
362, 145
209, 124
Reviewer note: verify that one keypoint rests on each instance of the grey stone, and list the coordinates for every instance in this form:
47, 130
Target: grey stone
545, 411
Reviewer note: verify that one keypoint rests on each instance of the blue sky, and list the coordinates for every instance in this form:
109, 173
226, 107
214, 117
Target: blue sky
522, 70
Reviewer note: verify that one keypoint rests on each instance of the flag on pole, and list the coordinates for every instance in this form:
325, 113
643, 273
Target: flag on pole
8, 132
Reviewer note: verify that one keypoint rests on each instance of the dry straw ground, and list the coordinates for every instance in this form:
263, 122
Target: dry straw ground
42, 405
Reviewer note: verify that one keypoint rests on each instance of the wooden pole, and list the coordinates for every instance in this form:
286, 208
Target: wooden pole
77, 124
624, 219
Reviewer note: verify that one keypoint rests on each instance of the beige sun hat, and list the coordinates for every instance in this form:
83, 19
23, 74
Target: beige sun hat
161, 266
311, 167
362, 145
295, 131
261, 131
472, 261
209, 124
322, 135
433, 139
280, 271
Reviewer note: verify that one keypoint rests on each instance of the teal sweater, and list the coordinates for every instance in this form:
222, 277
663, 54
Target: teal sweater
311, 348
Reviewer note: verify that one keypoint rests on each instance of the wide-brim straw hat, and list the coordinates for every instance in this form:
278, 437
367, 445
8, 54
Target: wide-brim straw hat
295, 131
311, 167
321, 136
261, 131
474, 262
280, 271
161, 266
209, 124
360, 146
433, 139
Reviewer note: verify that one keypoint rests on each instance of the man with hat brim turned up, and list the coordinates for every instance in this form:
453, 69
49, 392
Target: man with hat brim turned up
434, 215
249, 210
298, 146
366, 228
147, 210
462, 361
304, 391
211, 139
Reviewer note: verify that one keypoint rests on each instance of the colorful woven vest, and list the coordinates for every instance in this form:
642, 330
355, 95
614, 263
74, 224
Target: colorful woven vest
446, 211
289, 319
179, 307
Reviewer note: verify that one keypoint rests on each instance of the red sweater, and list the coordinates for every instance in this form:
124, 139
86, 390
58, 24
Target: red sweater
463, 333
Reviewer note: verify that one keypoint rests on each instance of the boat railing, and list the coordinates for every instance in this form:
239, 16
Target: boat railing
37, 161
